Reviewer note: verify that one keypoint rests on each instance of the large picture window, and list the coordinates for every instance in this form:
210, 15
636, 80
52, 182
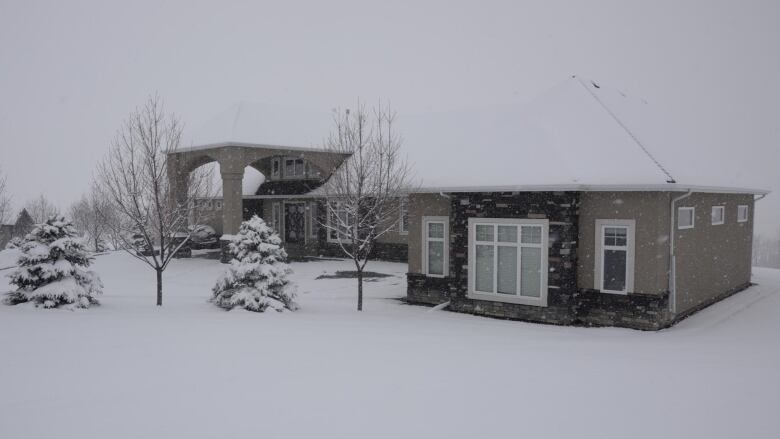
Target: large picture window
435, 246
508, 260
615, 256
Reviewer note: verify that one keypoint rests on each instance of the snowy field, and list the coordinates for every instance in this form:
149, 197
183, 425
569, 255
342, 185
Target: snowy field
128, 369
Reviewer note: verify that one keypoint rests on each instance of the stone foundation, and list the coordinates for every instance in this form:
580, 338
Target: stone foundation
427, 290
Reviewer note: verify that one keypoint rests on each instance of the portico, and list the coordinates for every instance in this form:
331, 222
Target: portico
234, 157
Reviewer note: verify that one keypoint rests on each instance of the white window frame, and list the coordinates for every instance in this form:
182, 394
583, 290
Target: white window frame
445, 220
743, 208
630, 248
722, 210
276, 218
693, 217
403, 211
544, 246
313, 220
294, 174
277, 164
331, 227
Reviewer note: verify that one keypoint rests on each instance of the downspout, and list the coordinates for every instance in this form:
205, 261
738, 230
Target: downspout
672, 256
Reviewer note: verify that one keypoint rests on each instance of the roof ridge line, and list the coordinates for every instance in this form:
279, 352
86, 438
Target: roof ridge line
628, 131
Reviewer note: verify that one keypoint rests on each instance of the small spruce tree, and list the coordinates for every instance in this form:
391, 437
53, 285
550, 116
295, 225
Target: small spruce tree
52, 268
256, 278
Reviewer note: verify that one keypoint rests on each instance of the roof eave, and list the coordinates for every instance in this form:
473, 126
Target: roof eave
668, 187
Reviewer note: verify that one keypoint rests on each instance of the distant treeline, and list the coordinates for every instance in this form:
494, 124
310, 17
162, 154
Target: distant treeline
766, 252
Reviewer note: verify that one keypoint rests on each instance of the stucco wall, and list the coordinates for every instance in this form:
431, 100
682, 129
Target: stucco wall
422, 205
650, 210
712, 260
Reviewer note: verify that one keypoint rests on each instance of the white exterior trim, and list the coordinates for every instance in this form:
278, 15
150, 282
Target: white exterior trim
722, 210
740, 209
693, 217
276, 161
544, 246
445, 220
403, 208
630, 248
276, 219
666, 187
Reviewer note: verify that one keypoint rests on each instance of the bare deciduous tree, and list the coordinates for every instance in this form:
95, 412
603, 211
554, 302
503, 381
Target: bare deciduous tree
365, 193
89, 217
133, 179
40, 209
5, 200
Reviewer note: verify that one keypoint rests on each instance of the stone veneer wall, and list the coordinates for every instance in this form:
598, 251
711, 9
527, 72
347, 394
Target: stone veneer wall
567, 305
560, 208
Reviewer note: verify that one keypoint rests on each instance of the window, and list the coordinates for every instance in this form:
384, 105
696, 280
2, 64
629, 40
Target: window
403, 222
435, 255
275, 167
742, 213
718, 215
508, 260
685, 217
339, 222
208, 204
313, 226
615, 256
293, 168
276, 217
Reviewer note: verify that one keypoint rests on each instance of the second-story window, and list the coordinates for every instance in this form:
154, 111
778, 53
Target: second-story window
275, 168
293, 168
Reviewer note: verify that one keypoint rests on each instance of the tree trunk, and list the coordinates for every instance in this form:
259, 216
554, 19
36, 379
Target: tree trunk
360, 289
159, 287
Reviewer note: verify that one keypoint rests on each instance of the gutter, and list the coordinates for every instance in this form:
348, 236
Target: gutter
672, 256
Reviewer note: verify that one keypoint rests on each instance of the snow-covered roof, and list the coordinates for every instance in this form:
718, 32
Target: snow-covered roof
262, 125
580, 135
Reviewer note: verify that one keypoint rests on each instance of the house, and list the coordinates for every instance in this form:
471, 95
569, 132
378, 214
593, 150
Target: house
22, 226
562, 211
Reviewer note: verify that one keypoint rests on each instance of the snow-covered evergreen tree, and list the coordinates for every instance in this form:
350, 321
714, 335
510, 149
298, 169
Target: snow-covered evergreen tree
257, 276
52, 268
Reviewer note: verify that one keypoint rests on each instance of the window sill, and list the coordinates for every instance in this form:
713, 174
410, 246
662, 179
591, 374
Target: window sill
517, 300
616, 293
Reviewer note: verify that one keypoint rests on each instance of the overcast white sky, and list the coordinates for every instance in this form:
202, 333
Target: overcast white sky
71, 71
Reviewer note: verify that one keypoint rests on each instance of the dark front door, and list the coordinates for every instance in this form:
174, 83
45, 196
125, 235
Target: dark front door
295, 223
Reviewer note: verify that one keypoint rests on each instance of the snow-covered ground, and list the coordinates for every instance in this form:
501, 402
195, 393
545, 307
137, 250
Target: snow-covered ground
128, 369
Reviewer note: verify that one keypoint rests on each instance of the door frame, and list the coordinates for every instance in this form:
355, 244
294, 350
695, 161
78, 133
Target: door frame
284, 221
